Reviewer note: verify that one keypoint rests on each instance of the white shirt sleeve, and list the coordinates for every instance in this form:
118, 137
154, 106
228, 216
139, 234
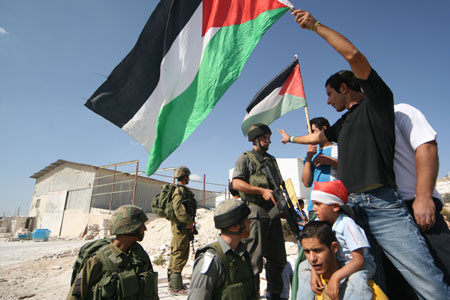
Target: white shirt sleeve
413, 125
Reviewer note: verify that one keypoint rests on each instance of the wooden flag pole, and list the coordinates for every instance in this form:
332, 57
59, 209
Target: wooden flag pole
308, 123
307, 120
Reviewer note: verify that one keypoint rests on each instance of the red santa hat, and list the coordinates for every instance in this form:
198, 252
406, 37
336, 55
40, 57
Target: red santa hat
330, 192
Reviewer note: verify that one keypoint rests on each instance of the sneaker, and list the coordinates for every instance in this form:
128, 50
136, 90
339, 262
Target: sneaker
181, 292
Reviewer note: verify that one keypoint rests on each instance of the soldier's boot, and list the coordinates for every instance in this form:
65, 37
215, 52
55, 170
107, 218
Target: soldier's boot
169, 272
274, 297
176, 284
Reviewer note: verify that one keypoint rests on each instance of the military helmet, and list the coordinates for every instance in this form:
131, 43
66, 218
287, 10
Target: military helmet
127, 219
182, 171
256, 130
229, 213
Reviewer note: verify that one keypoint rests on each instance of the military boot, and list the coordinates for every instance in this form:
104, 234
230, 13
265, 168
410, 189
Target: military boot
176, 286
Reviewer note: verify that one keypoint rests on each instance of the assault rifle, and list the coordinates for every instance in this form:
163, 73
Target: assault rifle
284, 204
192, 235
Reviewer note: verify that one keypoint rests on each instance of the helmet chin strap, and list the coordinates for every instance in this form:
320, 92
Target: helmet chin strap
241, 228
259, 145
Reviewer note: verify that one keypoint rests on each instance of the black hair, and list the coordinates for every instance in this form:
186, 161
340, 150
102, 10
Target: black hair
320, 230
346, 77
319, 122
300, 201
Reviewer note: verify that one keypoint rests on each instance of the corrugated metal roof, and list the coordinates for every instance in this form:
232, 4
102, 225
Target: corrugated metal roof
54, 165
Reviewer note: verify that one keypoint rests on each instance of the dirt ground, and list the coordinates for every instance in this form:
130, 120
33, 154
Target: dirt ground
43, 274
46, 273
42, 270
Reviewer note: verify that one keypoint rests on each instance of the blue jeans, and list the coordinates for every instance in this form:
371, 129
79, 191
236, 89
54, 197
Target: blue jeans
355, 287
386, 219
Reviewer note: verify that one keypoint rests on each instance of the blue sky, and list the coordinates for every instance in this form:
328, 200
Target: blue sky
54, 54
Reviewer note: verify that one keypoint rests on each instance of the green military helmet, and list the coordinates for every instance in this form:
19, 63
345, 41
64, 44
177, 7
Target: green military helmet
229, 213
182, 171
256, 130
127, 219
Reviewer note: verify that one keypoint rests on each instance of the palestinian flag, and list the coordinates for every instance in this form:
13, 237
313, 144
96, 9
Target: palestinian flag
282, 94
188, 54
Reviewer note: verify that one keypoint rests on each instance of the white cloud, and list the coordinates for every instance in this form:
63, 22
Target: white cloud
3, 31
195, 177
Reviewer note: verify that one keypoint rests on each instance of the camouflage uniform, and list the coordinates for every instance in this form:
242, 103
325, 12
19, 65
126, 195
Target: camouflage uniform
184, 207
180, 235
266, 234
113, 273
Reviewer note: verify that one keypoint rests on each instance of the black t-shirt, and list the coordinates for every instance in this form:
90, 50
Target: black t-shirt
366, 138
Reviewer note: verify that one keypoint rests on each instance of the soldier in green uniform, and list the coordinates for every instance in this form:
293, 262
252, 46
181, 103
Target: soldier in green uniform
185, 207
121, 269
223, 270
266, 235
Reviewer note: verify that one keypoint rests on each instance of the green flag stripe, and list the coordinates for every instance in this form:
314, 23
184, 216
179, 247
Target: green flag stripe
223, 60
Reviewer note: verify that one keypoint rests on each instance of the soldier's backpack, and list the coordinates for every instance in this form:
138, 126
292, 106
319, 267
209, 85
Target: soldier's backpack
87, 251
162, 203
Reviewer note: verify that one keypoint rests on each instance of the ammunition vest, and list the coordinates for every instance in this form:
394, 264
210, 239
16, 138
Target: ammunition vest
188, 200
239, 279
126, 277
258, 177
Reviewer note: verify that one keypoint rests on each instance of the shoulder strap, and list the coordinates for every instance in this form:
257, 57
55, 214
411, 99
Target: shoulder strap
110, 262
259, 165
223, 258
252, 156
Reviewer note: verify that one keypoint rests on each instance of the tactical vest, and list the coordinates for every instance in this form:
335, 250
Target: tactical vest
239, 279
188, 200
258, 177
126, 277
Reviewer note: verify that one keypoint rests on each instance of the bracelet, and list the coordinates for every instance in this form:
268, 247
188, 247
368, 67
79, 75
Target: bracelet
291, 139
315, 25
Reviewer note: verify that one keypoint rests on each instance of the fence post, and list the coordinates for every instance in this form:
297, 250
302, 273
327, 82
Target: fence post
204, 190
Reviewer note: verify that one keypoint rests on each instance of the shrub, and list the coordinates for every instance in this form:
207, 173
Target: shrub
159, 261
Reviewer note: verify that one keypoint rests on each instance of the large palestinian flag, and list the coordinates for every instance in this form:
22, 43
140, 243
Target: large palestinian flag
188, 54
282, 94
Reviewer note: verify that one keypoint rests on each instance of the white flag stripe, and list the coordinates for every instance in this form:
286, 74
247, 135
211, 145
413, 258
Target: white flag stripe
268, 103
177, 74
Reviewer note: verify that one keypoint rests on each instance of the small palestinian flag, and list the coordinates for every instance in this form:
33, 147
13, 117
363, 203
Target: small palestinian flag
188, 54
284, 93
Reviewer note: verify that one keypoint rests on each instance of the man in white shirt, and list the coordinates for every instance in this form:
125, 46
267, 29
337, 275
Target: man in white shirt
416, 165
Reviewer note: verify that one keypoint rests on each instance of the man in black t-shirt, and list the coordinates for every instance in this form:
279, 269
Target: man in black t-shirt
366, 138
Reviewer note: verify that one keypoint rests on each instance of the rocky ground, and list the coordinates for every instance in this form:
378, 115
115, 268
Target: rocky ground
42, 270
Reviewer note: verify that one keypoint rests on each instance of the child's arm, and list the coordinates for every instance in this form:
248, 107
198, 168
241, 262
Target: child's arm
316, 283
351, 267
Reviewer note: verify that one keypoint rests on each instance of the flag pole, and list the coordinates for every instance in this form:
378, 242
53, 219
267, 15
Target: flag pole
307, 119
308, 123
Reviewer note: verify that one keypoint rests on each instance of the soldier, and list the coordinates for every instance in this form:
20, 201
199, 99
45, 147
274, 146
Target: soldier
185, 207
223, 270
266, 235
120, 269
